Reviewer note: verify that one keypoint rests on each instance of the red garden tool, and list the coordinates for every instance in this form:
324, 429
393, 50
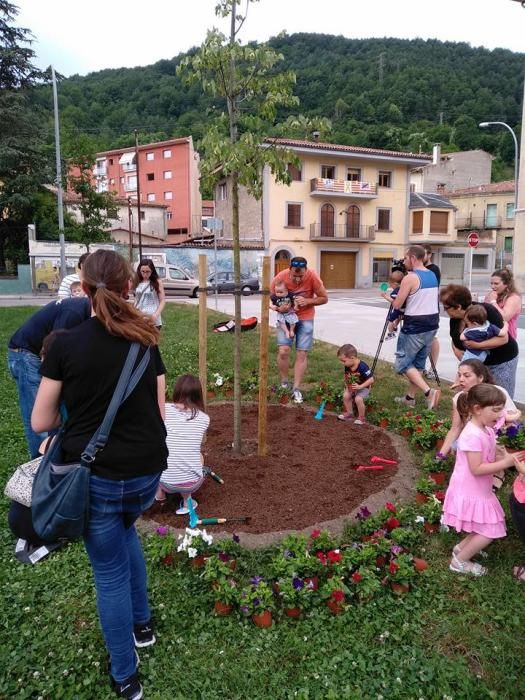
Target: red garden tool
375, 460
370, 467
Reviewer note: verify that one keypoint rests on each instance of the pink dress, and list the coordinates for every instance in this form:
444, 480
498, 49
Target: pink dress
470, 504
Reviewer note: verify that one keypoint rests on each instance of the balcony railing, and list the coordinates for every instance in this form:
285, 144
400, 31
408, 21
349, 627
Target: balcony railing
100, 172
129, 167
130, 188
341, 232
343, 188
486, 236
480, 222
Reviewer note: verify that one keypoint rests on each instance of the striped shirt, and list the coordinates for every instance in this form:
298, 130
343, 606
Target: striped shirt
422, 306
64, 291
184, 441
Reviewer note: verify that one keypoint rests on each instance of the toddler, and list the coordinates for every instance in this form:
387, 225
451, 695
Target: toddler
394, 315
76, 289
470, 505
283, 303
477, 328
186, 425
358, 380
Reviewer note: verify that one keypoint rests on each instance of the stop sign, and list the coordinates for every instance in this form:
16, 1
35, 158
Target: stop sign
473, 239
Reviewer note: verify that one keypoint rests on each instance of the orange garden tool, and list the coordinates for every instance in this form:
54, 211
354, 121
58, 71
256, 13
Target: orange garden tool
375, 460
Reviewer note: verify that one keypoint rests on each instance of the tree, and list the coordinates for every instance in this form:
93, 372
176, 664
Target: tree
22, 154
245, 77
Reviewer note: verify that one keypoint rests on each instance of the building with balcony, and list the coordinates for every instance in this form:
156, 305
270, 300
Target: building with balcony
167, 175
346, 211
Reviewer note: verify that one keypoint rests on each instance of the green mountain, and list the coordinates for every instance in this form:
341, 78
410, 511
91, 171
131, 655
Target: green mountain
385, 93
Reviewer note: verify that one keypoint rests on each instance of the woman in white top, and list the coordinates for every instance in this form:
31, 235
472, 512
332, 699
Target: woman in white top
470, 373
186, 425
150, 297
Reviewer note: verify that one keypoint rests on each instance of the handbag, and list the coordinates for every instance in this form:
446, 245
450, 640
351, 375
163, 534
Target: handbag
19, 486
60, 495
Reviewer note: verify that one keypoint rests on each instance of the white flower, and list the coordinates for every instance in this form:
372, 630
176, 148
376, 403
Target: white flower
419, 519
219, 381
192, 552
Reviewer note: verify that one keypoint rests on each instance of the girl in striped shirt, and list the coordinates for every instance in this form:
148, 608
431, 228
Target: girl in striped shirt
186, 425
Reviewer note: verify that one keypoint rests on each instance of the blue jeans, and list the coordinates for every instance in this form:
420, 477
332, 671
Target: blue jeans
24, 367
412, 350
119, 569
304, 336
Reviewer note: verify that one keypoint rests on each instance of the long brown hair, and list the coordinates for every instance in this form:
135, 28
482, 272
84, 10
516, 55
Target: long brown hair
482, 395
188, 392
507, 278
153, 278
480, 370
106, 276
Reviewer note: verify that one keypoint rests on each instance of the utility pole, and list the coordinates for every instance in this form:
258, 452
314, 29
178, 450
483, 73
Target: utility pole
60, 199
130, 228
138, 192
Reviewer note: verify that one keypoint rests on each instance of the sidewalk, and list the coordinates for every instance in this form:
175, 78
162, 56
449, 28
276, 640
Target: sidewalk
349, 321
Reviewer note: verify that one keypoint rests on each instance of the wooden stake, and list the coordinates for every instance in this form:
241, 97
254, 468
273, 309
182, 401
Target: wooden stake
203, 327
262, 446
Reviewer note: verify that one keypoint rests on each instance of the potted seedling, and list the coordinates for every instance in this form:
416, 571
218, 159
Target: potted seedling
295, 594
431, 512
197, 545
512, 437
161, 546
383, 417
425, 487
226, 594
400, 574
364, 583
335, 593
256, 601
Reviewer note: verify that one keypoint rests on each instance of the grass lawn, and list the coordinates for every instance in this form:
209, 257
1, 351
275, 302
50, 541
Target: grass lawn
451, 637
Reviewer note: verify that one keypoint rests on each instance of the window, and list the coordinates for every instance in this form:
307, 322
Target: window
352, 221
417, 222
508, 244
294, 215
480, 261
439, 222
384, 178
295, 173
327, 220
168, 195
222, 191
166, 153
150, 176
111, 161
151, 196
169, 215
121, 180
353, 174
383, 220
509, 210
142, 215
167, 174
328, 172
491, 215
131, 182
150, 156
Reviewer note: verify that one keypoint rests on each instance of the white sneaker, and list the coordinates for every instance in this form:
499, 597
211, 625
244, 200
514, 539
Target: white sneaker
284, 385
297, 397
433, 399
404, 400
184, 510
358, 421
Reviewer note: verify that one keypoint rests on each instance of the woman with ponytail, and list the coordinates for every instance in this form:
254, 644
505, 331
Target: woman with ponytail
82, 369
505, 297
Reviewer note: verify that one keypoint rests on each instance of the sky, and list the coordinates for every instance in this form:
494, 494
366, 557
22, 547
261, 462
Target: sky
81, 37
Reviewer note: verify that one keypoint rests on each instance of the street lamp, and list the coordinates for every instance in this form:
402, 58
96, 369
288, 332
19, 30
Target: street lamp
484, 125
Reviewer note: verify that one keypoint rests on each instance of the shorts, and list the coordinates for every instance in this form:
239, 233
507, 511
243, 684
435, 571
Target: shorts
362, 393
183, 488
412, 351
304, 336
289, 317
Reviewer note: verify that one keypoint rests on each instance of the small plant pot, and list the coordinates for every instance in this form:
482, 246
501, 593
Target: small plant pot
284, 400
335, 607
263, 619
312, 582
167, 560
512, 450
421, 498
438, 478
399, 588
198, 562
222, 609
384, 423
431, 528
292, 612
420, 564
229, 393
210, 394
440, 495
406, 432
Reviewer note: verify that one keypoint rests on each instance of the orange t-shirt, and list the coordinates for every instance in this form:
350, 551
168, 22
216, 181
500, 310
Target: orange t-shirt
308, 287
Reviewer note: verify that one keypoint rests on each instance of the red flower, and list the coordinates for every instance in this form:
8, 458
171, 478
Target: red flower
418, 417
391, 507
334, 557
338, 596
322, 557
356, 577
419, 430
315, 534
392, 523
393, 567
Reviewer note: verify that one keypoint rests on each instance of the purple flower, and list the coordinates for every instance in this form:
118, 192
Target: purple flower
363, 513
512, 431
236, 538
288, 554
162, 530
297, 583
256, 580
256, 602
244, 609
395, 549
223, 556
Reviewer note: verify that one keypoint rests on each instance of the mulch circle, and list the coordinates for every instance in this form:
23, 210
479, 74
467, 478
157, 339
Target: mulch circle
307, 479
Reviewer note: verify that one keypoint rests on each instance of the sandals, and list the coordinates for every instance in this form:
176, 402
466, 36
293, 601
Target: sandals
518, 572
466, 567
345, 416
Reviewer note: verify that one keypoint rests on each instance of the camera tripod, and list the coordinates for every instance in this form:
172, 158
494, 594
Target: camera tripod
380, 345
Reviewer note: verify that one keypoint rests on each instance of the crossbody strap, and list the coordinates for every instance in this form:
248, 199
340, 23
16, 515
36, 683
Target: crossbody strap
125, 385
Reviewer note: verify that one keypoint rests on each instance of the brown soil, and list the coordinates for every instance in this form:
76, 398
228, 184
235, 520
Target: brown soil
308, 477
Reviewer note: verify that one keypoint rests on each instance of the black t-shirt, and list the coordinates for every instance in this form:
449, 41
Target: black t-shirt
283, 301
62, 313
88, 361
496, 356
435, 269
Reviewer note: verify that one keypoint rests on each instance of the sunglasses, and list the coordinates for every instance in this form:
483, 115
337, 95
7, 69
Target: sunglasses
298, 263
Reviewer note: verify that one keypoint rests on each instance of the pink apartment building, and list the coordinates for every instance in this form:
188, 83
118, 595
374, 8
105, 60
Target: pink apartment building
169, 176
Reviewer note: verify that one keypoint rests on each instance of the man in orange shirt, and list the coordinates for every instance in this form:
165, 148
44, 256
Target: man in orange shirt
308, 291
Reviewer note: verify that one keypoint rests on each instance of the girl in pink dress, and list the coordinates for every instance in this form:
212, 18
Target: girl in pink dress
470, 504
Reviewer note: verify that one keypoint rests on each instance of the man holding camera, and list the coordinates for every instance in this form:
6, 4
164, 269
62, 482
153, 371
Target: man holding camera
419, 291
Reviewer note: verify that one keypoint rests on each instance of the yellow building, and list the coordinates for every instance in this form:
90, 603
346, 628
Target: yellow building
346, 211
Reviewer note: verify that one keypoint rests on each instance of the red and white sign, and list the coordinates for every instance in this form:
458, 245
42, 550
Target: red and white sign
473, 239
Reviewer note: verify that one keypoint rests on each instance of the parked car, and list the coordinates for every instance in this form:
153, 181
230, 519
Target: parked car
177, 281
226, 283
